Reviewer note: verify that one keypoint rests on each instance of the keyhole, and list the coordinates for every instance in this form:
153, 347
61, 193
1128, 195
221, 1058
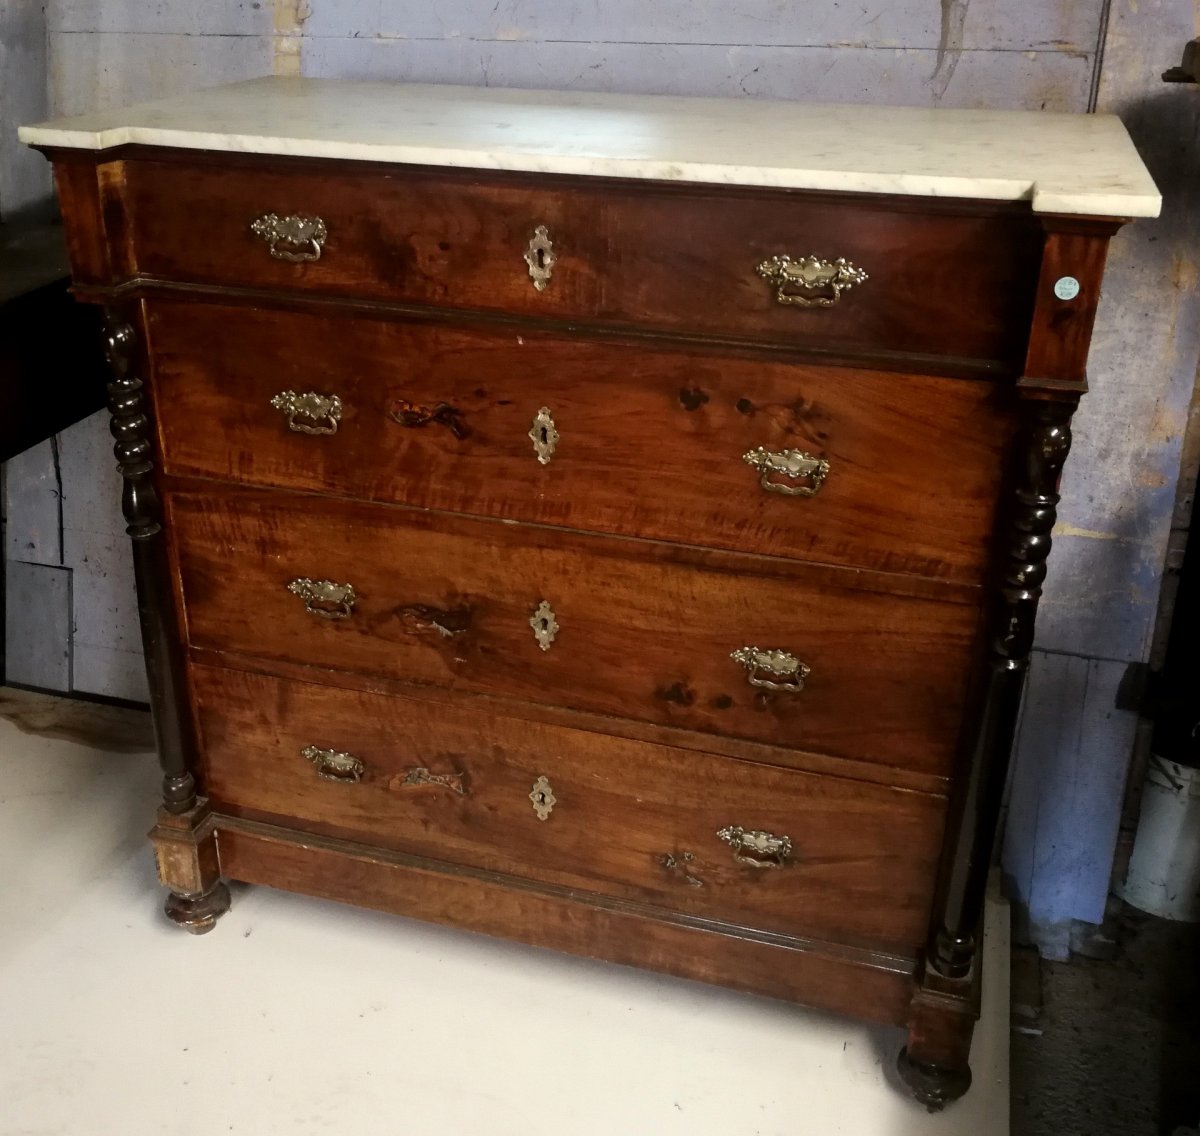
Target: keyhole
544, 434
541, 258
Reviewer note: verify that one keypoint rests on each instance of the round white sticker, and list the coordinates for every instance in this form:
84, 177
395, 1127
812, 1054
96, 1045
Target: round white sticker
1066, 287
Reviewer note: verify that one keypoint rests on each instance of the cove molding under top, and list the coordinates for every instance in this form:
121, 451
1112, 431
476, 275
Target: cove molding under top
1061, 163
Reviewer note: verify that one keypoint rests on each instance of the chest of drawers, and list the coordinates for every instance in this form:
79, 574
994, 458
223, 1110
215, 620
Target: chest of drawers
615, 524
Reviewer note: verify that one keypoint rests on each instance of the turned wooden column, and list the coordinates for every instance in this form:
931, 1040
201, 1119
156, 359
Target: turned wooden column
935, 1061
184, 845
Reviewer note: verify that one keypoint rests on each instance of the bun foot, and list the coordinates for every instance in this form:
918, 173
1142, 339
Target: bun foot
935, 1086
198, 914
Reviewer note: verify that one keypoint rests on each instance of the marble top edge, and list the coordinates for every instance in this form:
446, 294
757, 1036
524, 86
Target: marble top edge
1062, 163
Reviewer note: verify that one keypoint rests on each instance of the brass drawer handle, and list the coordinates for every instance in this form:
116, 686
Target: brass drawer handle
792, 464
294, 237
757, 849
780, 664
810, 282
333, 765
540, 257
411, 415
325, 598
309, 413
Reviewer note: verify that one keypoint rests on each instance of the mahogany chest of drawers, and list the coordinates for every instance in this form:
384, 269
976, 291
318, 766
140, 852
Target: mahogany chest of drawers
578, 519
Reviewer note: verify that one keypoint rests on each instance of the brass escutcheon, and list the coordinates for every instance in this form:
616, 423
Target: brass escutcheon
540, 257
545, 626
543, 798
544, 435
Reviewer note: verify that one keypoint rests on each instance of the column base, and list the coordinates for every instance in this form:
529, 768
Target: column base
198, 914
934, 1086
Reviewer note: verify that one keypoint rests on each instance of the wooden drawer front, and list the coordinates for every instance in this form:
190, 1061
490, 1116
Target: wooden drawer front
645, 631
651, 443
628, 819
678, 259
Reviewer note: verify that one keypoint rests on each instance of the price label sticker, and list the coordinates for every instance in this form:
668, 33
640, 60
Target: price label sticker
1066, 287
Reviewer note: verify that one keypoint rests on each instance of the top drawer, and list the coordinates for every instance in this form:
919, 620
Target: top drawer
674, 258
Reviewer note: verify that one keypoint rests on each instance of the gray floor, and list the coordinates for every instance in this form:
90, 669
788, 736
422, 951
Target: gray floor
300, 1016
1116, 1048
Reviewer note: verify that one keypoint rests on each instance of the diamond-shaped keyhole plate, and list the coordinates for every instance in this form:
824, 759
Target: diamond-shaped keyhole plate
543, 798
545, 626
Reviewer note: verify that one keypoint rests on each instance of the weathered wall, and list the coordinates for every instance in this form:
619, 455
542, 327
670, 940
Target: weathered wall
1119, 491
24, 178
71, 610
1040, 54
908, 51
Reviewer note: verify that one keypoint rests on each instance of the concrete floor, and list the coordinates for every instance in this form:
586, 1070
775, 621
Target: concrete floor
1116, 1049
301, 1016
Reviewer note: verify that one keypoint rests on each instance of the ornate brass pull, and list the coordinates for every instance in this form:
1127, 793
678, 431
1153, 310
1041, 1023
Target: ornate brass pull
412, 415
810, 282
782, 665
757, 849
309, 413
540, 257
325, 598
333, 765
792, 464
293, 237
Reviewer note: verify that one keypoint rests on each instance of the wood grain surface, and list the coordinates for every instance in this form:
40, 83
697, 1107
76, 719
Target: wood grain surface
630, 819
652, 442
942, 281
645, 630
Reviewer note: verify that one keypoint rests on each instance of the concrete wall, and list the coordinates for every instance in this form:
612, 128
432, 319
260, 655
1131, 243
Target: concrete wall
24, 178
1119, 493
1106, 568
71, 611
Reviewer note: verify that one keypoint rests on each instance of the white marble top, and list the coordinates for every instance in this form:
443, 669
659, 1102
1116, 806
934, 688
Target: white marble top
1062, 163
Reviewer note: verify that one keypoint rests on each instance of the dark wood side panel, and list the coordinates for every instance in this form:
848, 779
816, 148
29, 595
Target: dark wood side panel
92, 199
627, 819
651, 442
1061, 329
645, 631
946, 283
870, 987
